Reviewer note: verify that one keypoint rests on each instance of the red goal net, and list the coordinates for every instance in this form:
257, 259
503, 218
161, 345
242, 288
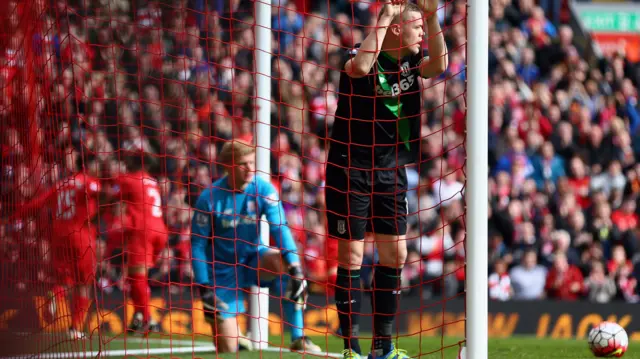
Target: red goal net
114, 116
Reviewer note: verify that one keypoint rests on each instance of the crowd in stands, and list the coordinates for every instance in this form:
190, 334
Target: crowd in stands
563, 150
175, 80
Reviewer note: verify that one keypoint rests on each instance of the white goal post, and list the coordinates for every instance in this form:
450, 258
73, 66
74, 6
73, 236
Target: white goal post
476, 190
259, 298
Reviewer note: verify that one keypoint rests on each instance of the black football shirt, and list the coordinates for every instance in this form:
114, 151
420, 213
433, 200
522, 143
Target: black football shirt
377, 121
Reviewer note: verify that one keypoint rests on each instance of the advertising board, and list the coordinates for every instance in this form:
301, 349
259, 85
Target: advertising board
180, 314
613, 26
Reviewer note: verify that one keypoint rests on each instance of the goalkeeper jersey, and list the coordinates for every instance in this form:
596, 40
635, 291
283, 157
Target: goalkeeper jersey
377, 121
226, 228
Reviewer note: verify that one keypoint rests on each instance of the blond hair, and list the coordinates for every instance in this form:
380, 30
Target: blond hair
233, 150
408, 8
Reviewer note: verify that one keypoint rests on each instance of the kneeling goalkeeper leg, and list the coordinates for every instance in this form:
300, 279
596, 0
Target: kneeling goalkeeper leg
224, 324
288, 286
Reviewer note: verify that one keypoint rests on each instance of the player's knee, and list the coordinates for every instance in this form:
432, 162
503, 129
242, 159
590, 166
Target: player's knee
227, 333
350, 254
226, 345
271, 265
84, 290
272, 261
393, 256
137, 270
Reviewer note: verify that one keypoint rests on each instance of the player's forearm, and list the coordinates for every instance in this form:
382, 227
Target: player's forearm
370, 48
200, 271
437, 45
287, 245
198, 278
199, 261
31, 207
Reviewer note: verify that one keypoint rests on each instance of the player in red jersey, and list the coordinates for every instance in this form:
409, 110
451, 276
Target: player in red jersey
73, 203
145, 233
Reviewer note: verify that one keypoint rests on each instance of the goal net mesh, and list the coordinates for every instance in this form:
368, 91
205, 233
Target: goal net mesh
88, 85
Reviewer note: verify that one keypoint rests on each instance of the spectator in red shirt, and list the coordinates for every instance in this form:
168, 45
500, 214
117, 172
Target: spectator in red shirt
500, 283
534, 120
579, 181
627, 284
564, 281
618, 261
625, 217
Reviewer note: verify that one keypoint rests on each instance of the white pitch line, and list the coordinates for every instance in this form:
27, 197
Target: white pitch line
182, 342
133, 339
115, 353
191, 348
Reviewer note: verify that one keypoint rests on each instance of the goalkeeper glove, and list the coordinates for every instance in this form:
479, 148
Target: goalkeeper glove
297, 288
212, 305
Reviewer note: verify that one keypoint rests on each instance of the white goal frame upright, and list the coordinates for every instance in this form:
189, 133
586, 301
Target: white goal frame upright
477, 172
477, 169
259, 298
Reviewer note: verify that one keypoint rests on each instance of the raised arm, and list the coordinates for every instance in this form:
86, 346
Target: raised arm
367, 54
438, 60
273, 210
201, 231
31, 206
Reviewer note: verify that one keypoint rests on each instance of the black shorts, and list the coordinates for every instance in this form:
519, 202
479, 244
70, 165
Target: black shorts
365, 201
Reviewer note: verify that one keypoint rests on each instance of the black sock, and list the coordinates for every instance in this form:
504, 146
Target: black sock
386, 290
348, 300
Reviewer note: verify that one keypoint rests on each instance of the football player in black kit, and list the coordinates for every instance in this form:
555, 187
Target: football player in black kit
375, 134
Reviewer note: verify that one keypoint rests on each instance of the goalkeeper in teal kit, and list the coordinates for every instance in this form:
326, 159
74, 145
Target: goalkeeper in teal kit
228, 257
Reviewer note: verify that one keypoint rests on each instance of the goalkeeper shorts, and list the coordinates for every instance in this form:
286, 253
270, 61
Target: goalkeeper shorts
365, 201
233, 284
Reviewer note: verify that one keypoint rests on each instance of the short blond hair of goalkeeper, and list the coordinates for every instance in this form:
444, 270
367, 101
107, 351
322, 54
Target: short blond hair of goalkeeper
239, 159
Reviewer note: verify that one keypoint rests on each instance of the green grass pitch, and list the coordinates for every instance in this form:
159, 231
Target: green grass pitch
181, 347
